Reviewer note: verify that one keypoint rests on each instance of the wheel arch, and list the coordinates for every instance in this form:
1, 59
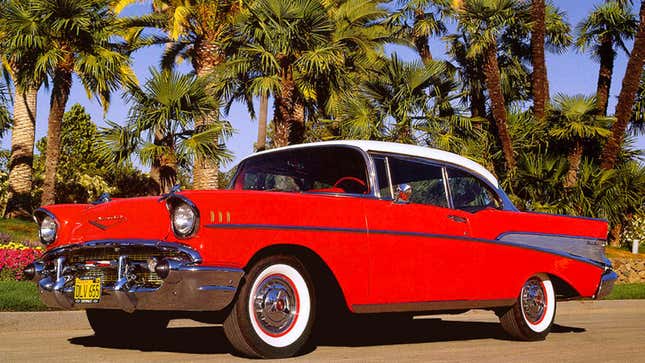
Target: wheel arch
325, 281
563, 289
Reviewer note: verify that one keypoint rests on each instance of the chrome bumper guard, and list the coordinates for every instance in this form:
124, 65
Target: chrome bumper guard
186, 286
606, 283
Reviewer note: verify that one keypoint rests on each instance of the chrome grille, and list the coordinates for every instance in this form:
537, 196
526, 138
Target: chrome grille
113, 253
88, 262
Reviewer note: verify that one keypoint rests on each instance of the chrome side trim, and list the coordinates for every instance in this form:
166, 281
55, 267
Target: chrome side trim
587, 247
599, 264
425, 306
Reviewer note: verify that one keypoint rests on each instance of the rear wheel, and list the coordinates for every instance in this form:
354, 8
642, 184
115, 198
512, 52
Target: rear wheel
274, 313
533, 314
120, 324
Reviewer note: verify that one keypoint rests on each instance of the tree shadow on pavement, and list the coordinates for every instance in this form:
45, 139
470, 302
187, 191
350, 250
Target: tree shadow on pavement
211, 340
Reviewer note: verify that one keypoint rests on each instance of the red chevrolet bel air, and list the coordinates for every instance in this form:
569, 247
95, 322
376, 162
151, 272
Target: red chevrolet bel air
365, 227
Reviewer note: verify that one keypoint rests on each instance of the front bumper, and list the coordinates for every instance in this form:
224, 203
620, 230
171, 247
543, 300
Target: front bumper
188, 285
607, 281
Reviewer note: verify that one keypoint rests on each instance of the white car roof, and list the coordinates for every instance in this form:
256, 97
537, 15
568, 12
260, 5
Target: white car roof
403, 149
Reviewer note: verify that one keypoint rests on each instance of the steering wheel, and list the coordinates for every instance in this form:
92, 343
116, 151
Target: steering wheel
351, 185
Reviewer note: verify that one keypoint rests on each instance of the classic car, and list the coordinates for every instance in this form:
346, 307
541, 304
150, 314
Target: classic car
365, 227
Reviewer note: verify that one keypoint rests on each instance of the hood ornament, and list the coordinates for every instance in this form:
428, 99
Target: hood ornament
103, 198
104, 223
175, 189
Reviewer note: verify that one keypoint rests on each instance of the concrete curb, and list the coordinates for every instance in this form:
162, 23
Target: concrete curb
42, 320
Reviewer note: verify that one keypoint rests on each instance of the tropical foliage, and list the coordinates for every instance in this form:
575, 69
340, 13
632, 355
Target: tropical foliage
329, 70
162, 128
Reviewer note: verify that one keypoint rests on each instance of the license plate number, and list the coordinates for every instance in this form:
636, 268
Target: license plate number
87, 291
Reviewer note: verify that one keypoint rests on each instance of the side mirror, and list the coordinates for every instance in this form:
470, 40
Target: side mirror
402, 193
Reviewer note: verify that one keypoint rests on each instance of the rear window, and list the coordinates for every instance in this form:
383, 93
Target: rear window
311, 169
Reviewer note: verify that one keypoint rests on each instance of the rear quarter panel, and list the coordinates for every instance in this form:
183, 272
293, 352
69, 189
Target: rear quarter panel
516, 264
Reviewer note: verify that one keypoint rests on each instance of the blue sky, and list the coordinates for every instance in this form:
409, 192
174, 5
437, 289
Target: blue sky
569, 73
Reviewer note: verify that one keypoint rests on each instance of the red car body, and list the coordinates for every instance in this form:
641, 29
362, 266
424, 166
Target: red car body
385, 253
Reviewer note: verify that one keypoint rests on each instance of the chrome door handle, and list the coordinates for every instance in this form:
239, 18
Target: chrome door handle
458, 219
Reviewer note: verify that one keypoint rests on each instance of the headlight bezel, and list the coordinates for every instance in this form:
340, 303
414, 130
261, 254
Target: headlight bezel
40, 216
173, 203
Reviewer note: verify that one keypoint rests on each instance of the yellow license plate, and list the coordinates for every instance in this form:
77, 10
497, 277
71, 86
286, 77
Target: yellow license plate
87, 291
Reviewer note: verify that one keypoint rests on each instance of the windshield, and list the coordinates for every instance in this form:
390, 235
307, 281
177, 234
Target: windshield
322, 169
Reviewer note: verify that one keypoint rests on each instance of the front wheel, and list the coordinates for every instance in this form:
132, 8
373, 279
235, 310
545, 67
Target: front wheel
533, 314
274, 313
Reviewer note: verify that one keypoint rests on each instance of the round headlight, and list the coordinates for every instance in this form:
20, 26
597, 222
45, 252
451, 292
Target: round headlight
183, 220
47, 230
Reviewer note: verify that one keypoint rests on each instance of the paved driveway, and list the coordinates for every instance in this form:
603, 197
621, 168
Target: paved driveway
585, 331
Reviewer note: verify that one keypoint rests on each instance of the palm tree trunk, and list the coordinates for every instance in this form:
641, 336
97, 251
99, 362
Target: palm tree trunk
288, 116
477, 102
615, 234
60, 94
207, 55
574, 157
155, 168
22, 153
625, 105
540, 80
262, 123
493, 83
605, 73
420, 40
167, 174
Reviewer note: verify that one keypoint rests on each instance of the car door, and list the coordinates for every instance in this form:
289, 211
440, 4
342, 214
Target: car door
419, 248
487, 218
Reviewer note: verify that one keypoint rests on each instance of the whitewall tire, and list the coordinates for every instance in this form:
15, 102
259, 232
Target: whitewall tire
274, 312
532, 316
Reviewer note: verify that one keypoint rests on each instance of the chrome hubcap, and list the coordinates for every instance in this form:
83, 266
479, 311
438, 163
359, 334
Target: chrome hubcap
533, 301
275, 305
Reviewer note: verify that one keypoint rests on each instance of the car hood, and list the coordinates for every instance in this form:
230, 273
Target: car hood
140, 218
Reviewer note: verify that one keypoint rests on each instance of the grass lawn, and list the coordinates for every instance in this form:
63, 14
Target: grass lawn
627, 291
20, 296
19, 230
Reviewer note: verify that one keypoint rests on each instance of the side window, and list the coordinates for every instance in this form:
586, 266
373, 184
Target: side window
426, 181
312, 169
469, 193
381, 173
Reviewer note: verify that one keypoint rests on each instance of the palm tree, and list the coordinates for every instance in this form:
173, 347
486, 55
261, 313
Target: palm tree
5, 117
398, 92
540, 79
417, 21
516, 47
162, 128
483, 20
77, 37
287, 50
471, 73
200, 30
624, 108
575, 120
20, 42
603, 32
